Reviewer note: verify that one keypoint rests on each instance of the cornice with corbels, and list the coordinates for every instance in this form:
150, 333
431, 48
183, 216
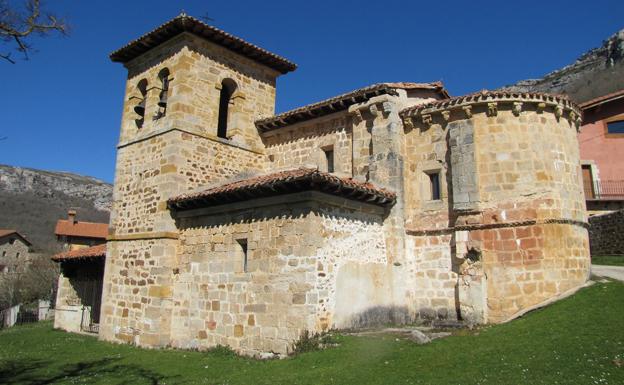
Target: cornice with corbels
561, 107
381, 108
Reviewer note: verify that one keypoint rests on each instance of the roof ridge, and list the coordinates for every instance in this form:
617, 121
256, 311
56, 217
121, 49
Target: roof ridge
486, 94
283, 182
197, 27
87, 252
86, 222
601, 99
342, 101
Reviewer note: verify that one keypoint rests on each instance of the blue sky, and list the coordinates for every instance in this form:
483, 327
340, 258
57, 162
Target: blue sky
61, 110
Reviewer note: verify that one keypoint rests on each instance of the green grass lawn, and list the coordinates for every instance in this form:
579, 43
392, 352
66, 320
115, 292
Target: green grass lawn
613, 260
579, 340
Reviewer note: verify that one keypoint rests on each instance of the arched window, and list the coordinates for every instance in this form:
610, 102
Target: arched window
140, 107
227, 89
163, 76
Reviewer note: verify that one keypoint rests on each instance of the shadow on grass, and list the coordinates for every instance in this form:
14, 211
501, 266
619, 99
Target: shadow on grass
40, 372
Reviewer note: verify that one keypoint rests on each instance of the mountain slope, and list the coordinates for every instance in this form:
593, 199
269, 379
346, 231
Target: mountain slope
31, 201
597, 72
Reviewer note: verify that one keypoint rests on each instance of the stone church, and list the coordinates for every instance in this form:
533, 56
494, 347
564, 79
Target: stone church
391, 203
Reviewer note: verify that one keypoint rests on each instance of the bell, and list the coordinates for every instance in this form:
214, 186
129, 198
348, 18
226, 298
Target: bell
163, 99
140, 108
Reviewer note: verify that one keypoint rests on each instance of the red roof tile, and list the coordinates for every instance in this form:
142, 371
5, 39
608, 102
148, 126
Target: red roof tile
342, 102
81, 229
98, 251
602, 99
4, 232
284, 182
185, 23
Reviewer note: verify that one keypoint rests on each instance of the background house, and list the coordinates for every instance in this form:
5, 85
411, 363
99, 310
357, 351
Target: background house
82, 270
15, 251
74, 234
602, 145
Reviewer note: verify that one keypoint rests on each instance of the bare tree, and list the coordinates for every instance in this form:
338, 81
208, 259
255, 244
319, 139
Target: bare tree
17, 26
36, 280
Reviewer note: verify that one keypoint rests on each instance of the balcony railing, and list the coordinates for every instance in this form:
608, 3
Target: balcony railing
604, 190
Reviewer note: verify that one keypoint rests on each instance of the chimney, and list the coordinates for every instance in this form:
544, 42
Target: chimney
71, 216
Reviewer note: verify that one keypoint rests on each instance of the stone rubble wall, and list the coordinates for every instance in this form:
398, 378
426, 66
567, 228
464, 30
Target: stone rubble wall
605, 233
16, 257
303, 144
300, 266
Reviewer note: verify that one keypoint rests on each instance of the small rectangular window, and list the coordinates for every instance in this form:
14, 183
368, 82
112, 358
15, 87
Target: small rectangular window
616, 127
329, 156
4, 253
243, 249
17, 255
434, 179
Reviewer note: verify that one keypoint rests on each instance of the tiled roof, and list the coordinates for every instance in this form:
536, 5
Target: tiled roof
6, 232
485, 96
284, 182
88, 252
601, 100
185, 23
342, 102
81, 229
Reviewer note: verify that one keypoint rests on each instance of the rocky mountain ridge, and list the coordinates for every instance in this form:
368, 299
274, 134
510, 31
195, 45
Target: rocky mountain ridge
597, 72
31, 201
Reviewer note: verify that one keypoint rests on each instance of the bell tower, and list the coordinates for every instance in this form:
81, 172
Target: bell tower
192, 96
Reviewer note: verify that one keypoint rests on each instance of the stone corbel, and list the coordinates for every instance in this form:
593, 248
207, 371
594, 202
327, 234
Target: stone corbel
356, 116
558, 112
387, 108
492, 109
467, 111
237, 95
373, 110
426, 119
517, 108
541, 107
446, 115
408, 122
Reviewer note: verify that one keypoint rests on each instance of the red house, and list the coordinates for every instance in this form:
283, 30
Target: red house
602, 152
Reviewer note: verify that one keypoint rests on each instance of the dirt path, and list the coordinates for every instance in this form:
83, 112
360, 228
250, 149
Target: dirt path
615, 272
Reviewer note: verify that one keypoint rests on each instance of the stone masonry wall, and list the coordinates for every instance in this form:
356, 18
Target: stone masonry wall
519, 236
15, 256
197, 69
605, 233
301, 273
175, 151
303, 144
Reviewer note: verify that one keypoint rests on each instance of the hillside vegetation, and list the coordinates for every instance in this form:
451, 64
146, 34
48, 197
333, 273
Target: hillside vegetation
31, 201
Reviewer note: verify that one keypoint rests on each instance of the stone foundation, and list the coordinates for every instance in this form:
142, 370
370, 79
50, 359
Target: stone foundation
605, 233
